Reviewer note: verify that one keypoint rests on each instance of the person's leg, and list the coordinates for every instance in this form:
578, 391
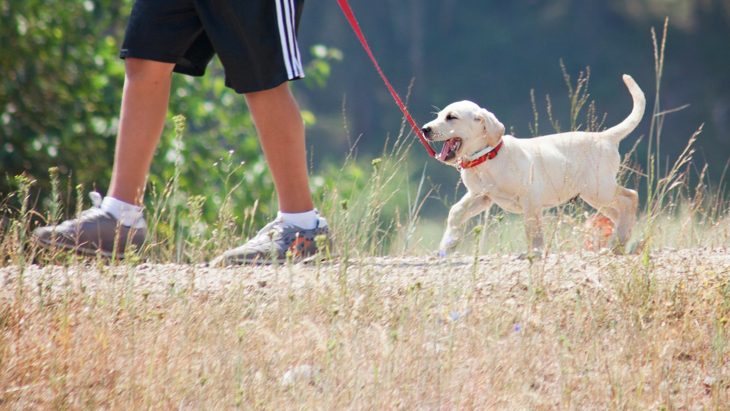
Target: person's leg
144, 106
281, 132
261, 71
121, 224
297, 231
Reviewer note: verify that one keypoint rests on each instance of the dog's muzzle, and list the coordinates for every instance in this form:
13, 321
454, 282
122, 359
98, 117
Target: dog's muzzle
448, 150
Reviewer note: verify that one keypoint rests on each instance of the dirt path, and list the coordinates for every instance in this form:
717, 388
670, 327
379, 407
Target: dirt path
494, 271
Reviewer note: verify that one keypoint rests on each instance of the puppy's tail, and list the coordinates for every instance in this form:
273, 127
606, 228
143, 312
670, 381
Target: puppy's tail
621, 130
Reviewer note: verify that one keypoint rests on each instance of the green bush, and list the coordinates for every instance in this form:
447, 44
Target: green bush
59, 91
60, 94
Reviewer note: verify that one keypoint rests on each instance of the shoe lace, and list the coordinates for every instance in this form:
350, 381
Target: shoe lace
271, 229
269, 233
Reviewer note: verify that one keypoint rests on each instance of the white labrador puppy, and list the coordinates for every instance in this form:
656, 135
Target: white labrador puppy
527, 175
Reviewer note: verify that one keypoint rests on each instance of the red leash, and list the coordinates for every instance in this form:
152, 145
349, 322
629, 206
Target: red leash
345, 6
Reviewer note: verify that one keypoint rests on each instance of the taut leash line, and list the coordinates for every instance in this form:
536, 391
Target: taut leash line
347, 10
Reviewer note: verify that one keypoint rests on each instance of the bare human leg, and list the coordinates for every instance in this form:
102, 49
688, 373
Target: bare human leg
281, 132
144, 106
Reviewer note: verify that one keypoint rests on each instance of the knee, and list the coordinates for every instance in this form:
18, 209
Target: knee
278, 98
141, 69
280, 91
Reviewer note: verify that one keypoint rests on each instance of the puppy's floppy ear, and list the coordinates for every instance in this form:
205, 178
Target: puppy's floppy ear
493, 128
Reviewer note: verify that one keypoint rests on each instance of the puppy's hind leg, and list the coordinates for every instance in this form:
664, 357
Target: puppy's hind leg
469, 206
626, 203
533, 231
621, 209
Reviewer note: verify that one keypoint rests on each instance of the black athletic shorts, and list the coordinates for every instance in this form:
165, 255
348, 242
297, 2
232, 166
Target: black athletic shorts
256, 40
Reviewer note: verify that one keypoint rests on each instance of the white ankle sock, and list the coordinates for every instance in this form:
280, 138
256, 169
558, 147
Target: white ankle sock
307, 220
129, 215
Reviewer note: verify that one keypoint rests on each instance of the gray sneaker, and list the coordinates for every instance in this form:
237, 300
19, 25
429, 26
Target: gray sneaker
92, 232
276, 242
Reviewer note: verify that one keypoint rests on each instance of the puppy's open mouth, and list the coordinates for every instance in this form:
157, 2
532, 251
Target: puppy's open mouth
448, 151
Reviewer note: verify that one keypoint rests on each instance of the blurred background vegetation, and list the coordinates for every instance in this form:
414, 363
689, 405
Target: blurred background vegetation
61, 82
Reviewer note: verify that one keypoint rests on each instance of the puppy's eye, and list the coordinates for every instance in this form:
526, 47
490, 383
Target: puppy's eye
451, 116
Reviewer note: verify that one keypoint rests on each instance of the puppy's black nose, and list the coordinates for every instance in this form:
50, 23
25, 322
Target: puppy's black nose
426, 130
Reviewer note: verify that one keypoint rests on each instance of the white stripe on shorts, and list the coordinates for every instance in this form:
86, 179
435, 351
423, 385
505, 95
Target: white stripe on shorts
296, 42
287, 34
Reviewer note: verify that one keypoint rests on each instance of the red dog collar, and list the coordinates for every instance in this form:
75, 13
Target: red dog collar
484, 157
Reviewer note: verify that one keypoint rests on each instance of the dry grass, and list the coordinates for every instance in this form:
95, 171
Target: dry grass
573, 331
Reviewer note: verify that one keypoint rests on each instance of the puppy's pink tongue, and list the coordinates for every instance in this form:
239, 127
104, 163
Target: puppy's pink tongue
444, 152
446, 149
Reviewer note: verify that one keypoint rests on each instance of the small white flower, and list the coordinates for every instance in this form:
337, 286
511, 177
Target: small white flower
304, 373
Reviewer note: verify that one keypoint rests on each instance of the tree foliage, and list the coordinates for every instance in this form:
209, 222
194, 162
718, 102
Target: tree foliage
59, 91
495, 52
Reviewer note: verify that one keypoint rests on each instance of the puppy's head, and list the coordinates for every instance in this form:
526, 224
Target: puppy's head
465, 128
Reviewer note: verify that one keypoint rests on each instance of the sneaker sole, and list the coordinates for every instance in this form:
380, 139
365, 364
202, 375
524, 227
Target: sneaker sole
260, 261
77, 249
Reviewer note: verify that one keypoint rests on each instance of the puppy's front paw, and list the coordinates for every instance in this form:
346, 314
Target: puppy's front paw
442, 253
448, 244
